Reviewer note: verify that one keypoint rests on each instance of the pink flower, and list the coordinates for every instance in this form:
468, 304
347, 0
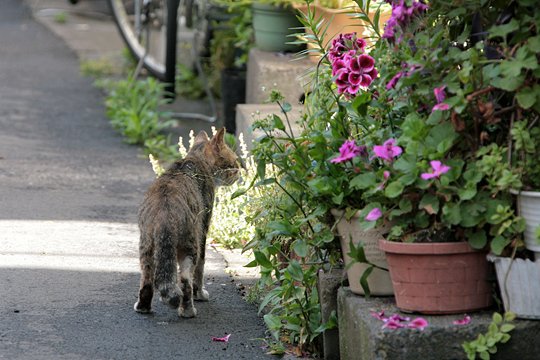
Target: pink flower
438, 168
393, 81
221, 339
439, 94
351, 67
387, 151
418, 323
465, 321
347, 151
386, 175
401, 16
441, 106
374, 214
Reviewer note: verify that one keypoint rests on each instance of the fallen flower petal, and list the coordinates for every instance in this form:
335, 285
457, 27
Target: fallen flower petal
221, 339
393, 324
418, 323
379, 315
399, 318
465, 321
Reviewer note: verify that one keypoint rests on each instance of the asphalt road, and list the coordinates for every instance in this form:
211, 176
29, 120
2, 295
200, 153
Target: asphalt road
69, 192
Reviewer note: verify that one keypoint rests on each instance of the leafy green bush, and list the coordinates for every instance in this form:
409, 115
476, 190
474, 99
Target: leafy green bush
133, 109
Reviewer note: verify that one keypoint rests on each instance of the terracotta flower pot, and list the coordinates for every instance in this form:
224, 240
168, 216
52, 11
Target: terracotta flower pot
341, 21
438, 278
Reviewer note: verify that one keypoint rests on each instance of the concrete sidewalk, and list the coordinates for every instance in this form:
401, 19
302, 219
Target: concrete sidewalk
69, 192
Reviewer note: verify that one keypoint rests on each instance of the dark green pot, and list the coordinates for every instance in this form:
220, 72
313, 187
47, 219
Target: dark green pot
272, 25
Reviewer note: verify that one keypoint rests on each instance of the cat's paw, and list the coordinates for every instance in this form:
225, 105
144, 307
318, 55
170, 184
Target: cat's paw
141, 309
190, 312
202, 295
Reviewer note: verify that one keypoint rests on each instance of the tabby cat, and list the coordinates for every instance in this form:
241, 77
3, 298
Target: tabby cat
173, 222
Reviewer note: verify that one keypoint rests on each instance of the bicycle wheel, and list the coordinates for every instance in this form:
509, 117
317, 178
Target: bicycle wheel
149, 28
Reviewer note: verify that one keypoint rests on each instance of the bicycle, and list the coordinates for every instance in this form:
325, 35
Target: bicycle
150, 29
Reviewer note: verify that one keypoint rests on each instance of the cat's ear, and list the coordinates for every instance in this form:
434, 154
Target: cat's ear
202, 137
218, 139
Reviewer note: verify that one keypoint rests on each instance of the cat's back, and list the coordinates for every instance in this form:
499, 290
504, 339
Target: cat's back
185, 190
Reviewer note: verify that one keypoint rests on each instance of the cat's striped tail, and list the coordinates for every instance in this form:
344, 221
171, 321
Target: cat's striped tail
165, 276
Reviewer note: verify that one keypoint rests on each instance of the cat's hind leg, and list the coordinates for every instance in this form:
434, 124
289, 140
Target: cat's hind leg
187, 309
146, 290
201, 294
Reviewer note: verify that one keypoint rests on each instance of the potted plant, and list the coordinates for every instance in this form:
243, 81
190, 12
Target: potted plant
422, 119
229, 50
453, 102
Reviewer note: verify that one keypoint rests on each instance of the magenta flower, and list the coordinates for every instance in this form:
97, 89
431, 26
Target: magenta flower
393, 81
386, 176
401, 16
441, 106
374, 214
347, 151
465, 321
351, 67
440, 95
418, 323
437, 169
387, 151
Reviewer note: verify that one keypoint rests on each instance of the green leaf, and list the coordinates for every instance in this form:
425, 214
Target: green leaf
357, 253
295, 270
406, 163
262, 260
509, 316
300, 247
534, 44
508, 84
394, 189
286, 107
503, 30
278, 123
505, 328
364, 280
497, 318
430, 203
452, 213
526, 97
498, 244
363, 181
477, 240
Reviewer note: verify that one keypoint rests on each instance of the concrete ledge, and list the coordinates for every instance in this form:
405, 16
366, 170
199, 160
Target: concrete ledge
361, 336
246, 114
270, 70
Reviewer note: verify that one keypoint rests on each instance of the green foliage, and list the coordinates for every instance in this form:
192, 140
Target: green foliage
133, 109
188, 84
61, 17
498, 332
97, 68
